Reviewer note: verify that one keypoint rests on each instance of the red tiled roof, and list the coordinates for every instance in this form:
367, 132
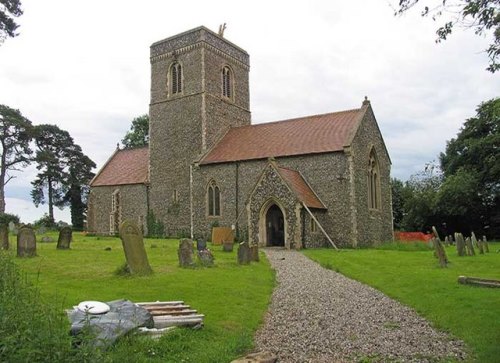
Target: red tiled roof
306, 135
303, 191
128, 166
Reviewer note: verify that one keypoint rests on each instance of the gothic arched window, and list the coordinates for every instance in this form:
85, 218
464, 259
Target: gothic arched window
213, 199
373, 182
227, 87
176, 78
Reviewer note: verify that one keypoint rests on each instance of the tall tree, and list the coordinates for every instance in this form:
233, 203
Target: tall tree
52, 144
138, 135
79, 176
481, 15
9, 9
16, 132
471, 166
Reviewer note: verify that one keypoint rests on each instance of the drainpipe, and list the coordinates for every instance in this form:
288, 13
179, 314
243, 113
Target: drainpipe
237, 192
191, 199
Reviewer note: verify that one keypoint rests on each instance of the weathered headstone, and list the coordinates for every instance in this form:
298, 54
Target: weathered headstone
485, 245
206, 258
477, 242
26, 242
65, 238
243, 253
254, 253
133, 246
201, 244
227, 246
12, 227
185, 253
470, 248
4, 237
439, 250
41, 230
446, 241
459, 238
47, 239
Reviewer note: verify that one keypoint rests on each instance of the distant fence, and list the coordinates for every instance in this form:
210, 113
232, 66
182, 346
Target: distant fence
412, 236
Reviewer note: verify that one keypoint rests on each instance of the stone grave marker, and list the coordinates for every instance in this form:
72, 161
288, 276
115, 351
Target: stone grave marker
227, 246
470, 248
477, 243
201, 244
206, 258
254, 253
439, 250
459, 239
446, 241
485, 245
243, 253
133, 246
26, 242
185, 253
65, 238
4, 237
12, 228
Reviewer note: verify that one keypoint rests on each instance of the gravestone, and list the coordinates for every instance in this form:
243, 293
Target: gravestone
254, 253
243, 253
439, 250
477, 243
485, 245
446, 241
41, 230
47, 239
4, 237
201, 244
26, 242
459, 239
12, 228
227, 246
185, 253
133, 246
470, 248
205, 258
65, 238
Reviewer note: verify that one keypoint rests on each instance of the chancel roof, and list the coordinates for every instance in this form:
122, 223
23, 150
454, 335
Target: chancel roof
127, 166
306, 135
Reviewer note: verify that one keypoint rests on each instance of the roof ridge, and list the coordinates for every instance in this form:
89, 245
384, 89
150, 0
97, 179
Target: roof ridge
296, 118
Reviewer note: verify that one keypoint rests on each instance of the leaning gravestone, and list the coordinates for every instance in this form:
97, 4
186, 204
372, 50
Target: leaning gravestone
133, 245
227, 246
4, 237
65, 237
185, 253
244, 253
470, 248
201, 244
26, 242
485, 244
206, 258
459, 239
439, 250
478, 243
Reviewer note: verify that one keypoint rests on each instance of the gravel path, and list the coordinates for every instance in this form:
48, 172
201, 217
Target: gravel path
318, 315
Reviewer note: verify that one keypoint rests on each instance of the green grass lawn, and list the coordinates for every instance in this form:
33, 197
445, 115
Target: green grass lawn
415, 279
233, 298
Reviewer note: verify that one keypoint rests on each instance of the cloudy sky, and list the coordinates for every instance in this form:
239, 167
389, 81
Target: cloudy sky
84, 65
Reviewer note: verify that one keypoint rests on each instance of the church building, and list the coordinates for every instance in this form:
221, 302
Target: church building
303, 182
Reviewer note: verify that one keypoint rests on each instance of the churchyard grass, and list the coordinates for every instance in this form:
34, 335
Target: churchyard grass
233, 298
414, 278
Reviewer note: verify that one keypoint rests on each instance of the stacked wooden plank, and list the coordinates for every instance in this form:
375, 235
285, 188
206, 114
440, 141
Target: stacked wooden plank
172, 313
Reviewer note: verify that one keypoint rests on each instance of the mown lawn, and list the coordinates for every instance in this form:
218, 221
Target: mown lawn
415, 279
233, 298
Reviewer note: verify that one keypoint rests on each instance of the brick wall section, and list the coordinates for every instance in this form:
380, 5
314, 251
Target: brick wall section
374, 226
133, 206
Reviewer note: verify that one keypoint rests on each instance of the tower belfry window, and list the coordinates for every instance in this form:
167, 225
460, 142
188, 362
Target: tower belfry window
176, 78
226, 82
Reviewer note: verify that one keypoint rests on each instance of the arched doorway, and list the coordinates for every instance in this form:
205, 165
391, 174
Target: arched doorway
275, 226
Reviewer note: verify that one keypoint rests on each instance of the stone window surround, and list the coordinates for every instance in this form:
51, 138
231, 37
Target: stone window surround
170, 80
227, 71
373, 181
212, 184
313, 226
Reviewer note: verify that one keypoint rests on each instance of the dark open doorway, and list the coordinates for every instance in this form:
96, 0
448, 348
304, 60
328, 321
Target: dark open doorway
275, 226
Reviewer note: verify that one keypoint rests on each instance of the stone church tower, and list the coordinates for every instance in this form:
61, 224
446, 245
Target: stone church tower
199, 89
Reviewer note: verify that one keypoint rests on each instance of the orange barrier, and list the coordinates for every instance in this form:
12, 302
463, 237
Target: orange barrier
412, 236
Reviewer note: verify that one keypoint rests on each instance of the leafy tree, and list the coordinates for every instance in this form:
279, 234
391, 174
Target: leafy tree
397, 188
9, 9
52, 144
16, 132
471, 166
481, 15
79, 176
138, 135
